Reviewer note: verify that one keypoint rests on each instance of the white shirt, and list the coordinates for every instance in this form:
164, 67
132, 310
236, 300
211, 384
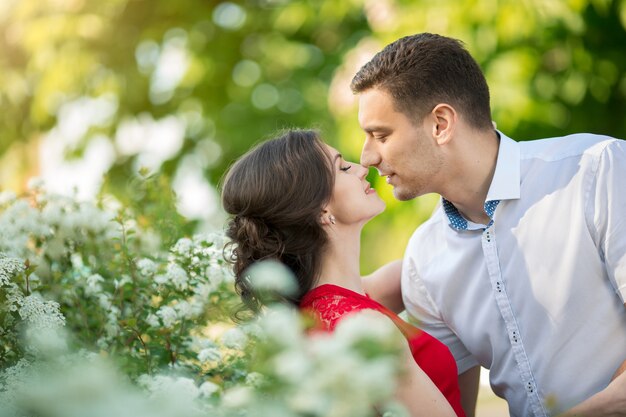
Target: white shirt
538, 295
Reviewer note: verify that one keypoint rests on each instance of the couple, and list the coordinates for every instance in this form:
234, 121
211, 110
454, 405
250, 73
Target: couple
522, 269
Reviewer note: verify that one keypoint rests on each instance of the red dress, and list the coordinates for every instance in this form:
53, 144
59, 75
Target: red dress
329, 303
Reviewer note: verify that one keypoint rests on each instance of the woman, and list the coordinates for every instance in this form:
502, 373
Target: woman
295, 199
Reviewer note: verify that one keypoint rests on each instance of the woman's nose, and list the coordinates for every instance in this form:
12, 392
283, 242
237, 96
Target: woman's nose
362, 171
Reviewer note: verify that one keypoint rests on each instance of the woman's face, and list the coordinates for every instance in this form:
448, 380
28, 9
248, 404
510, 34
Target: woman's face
353, 200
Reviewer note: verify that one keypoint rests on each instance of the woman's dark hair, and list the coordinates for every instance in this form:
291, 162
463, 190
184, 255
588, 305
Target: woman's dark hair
276, 193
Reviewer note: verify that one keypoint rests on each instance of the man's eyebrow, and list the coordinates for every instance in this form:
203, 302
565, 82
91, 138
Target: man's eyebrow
372, 129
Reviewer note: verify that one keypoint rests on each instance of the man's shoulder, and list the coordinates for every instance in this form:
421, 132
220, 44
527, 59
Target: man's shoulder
563, 147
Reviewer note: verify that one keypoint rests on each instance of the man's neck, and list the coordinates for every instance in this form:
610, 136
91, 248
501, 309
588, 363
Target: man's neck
469, 182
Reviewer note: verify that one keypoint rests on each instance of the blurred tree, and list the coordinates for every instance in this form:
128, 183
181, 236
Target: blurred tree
204, 78
554, 67
185, 87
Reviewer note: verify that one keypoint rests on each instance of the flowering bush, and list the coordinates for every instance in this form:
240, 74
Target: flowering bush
99, 317
118, 291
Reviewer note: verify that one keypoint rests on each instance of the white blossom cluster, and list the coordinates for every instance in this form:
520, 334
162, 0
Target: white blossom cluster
112, 280
195, 267
40, 314
77, 265
8, 268
47, 222
314, 375
322, 374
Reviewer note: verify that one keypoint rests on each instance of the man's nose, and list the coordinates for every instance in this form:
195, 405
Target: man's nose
369, 156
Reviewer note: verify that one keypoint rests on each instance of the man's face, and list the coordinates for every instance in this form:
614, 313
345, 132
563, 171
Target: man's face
402, 150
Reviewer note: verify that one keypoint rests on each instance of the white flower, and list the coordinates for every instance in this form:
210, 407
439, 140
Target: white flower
77, 261
184, 310
237, 397
368, 325
35, 184
146, 267
93, 284
254, 379
292, 365
39, 313
183, 246
282, 325
161, 279
112, 328
104, 300
9, 267
216, 274
7, 197
168, 316
210, 354
152, 320
208, 388
124, 279
180, 389
203, 290
272, 276
234, 338
177, 276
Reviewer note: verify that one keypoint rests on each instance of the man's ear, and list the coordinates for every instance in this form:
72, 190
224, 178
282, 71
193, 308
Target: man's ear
444, 119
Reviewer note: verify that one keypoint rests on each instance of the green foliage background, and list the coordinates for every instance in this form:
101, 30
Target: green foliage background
554, 67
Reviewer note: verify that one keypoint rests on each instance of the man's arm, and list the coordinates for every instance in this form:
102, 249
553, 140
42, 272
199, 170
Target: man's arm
468, 384
610, 402
383, 285
608, 228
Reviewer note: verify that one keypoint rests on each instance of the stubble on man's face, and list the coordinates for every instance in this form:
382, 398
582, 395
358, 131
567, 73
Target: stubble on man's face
417, 166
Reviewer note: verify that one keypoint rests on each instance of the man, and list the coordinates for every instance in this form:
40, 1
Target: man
522, 269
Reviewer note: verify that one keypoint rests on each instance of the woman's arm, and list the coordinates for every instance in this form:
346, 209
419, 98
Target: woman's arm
418, 393
383, 285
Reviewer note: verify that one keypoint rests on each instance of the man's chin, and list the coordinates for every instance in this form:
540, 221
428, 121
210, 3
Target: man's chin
403, 194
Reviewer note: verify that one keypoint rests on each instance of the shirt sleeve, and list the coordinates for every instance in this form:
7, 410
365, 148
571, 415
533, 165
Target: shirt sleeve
606, 212
424, 313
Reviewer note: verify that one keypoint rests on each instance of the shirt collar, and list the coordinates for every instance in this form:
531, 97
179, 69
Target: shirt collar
505, 184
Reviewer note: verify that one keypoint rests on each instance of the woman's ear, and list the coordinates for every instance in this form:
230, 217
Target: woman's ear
326, 218
444, 117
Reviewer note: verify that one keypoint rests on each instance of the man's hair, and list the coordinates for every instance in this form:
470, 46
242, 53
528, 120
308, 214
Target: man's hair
423, 70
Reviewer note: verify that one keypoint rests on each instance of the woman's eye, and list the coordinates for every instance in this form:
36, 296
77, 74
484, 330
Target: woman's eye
345, 168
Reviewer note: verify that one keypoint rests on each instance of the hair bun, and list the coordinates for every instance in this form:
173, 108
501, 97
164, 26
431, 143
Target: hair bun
255, 239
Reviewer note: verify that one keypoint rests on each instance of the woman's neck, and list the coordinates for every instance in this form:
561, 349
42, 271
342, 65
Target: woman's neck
340, 262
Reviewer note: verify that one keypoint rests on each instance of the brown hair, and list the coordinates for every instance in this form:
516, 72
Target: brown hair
276, 193
423, 70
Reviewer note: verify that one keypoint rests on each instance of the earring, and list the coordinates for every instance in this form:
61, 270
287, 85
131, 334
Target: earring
331, 218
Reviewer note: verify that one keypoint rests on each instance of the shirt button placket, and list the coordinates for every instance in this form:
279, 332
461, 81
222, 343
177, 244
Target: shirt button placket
504, 305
